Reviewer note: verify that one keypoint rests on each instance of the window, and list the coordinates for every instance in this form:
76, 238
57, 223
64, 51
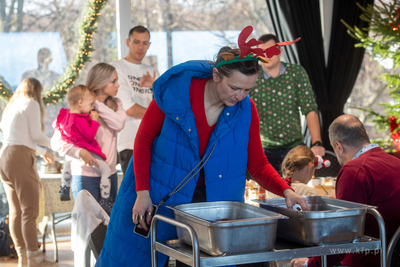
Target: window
40, 37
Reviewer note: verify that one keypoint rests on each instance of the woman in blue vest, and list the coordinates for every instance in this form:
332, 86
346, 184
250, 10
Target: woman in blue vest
201, 112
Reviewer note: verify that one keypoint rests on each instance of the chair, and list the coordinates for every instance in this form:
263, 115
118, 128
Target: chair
333, 170
88, 219
97, 240
393, 258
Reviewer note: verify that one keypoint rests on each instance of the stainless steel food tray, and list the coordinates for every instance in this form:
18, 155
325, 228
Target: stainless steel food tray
226, 227
329, 221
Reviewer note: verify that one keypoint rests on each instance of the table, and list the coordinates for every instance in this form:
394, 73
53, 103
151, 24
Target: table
252, 191
327, 186
51, 205
192, 256
49, 196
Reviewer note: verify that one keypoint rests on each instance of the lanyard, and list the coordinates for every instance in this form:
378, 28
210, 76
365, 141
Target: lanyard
186, 179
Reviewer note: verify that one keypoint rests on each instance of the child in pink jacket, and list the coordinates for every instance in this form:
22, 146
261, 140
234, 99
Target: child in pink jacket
78, 126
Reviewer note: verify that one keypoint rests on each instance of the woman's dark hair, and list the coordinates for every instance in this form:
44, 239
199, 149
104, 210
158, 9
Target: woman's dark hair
248, 68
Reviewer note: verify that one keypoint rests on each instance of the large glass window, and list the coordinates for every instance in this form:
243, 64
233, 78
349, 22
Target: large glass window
369, 92
39, 37
189, 29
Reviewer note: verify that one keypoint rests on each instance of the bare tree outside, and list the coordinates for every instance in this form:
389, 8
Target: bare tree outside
61, 16
168, 16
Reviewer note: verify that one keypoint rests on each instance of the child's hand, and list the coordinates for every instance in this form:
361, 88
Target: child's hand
94, 115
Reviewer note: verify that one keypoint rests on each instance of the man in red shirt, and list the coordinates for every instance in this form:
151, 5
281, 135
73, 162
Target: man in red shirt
368, 176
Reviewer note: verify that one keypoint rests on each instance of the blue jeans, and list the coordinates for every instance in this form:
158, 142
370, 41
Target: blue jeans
92, 184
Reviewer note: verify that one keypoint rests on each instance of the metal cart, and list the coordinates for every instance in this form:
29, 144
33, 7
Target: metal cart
192, 256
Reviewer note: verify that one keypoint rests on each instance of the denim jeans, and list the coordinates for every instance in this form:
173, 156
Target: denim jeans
92, 184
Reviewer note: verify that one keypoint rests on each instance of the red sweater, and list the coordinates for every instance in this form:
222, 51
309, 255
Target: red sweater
151, 125
372, 179
79, 130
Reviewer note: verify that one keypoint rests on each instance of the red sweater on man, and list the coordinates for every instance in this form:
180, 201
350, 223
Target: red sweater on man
257, 165
373, 179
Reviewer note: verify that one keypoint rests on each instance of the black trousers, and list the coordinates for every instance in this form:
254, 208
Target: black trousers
124, 158
275, 157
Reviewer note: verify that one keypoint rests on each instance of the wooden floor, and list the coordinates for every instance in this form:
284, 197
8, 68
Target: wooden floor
65, 255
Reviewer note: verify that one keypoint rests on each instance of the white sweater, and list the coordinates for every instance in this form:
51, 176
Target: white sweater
21, 126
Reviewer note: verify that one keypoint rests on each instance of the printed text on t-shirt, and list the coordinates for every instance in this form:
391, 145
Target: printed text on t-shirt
135, 83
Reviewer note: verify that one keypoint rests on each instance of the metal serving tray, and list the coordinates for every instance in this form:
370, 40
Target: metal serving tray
225, 227
329, 221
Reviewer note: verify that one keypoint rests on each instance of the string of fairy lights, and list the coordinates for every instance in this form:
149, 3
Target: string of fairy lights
87, 28
5, 92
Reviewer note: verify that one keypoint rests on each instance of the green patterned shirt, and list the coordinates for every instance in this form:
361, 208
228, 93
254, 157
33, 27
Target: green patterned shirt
278, 101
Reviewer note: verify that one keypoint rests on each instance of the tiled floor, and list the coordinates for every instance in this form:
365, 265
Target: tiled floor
65, 255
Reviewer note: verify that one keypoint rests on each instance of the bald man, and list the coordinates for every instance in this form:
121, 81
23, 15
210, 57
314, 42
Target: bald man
368, 176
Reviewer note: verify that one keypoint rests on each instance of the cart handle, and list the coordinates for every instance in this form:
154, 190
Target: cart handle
193, 237
382, 233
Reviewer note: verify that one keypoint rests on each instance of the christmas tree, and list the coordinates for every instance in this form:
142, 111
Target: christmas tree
382, 40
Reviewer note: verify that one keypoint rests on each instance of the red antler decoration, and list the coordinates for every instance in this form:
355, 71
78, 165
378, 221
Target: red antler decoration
246, 48
288, 42
275, 51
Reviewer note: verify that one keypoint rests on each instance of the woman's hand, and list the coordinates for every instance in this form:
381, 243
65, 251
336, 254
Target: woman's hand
48, 157
142, 209
87, 158
293, 198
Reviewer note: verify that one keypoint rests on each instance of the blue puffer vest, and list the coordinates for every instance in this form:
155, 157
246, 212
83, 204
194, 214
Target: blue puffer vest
175, 153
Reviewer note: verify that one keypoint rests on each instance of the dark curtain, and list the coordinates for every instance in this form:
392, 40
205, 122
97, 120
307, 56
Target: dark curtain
332, 84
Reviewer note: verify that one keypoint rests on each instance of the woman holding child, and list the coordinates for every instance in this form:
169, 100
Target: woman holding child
103, 81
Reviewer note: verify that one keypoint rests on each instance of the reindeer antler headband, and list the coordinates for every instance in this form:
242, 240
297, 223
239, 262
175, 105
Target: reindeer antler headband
247, 53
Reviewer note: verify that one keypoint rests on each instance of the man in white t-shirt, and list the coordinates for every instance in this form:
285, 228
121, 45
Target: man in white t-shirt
135, 91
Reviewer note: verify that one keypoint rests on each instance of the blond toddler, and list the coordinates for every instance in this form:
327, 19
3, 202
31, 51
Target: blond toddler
78, 126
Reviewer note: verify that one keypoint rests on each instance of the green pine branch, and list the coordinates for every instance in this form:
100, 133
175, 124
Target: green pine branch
381, 39
87, 28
